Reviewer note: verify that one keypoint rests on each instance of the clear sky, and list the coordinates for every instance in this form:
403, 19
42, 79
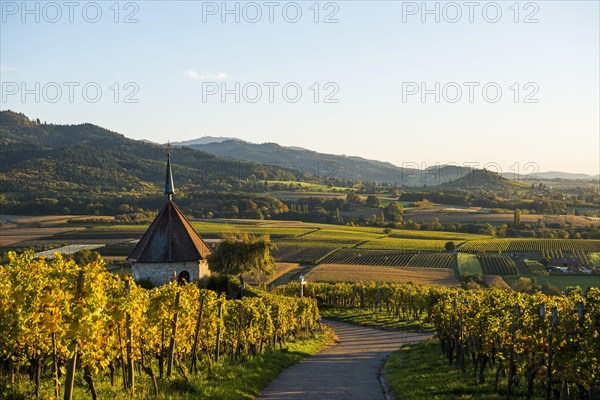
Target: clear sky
515, 82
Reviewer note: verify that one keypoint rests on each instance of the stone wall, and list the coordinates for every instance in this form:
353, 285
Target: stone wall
162, 273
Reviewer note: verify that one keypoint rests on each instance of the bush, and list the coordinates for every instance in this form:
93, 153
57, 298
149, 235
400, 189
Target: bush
221, 283
145, 283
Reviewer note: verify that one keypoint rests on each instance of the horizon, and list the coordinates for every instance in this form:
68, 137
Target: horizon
398, 82
292, 147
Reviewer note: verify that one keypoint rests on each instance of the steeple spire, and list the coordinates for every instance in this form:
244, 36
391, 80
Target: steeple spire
169, 185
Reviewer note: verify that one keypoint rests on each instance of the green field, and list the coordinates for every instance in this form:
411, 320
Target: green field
468, 263
387, 242
584, 281
448, 236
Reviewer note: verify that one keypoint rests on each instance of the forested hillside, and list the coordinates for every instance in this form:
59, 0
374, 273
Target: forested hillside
48, 168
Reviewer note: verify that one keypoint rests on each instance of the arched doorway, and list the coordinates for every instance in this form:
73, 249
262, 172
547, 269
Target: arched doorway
183, 277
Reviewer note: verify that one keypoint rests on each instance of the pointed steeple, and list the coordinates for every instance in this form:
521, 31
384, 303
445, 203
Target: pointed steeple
169, 185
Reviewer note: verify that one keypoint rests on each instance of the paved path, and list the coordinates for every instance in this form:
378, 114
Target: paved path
348, 370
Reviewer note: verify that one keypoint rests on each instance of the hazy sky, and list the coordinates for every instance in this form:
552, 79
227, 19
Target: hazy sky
405, 82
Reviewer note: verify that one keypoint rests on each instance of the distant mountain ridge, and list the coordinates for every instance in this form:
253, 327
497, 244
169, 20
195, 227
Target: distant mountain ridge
348, 167
311, 162
559, 175
205, 140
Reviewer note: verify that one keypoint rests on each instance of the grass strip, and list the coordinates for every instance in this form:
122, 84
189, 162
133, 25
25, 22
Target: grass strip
223, 381
374, 319
418, 371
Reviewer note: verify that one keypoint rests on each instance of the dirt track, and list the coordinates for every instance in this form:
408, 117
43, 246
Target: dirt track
349, 370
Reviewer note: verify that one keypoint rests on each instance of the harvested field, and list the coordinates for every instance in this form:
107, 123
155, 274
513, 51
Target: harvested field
14, 235
365, 273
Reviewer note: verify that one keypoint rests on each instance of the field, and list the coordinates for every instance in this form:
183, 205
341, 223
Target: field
495, 219
529, 245
468, 263
358, 273
15, 235
387, 242
535, 267
562, 282
310, 244
495, 264
301, 254
392, 258
282, 272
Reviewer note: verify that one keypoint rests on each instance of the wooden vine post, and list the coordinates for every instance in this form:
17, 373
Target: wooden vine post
55, 368
129, 349
70, 380
122, 359
217, 345
551, 353
194, 363
173, 336
148, 369
512, 371
239, 338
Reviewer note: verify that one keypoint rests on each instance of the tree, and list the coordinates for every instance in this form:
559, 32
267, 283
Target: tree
352, 197
394, 211
85, 257
450, 247
373, 201
517, 217
436, 226
241, 253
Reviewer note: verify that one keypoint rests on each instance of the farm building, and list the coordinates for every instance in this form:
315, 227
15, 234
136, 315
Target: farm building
568, 263
170, 249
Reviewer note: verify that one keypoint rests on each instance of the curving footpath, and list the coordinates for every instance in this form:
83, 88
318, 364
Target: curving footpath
349, 370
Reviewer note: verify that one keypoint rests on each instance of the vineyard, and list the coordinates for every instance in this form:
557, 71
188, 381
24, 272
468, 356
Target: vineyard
548, 344
404, 244
435, 260
535, 267
494, 264
57, 317
370, 257
393, 258
532, 245
301, 254
550, 254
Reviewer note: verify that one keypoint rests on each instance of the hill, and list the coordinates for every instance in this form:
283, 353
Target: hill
479, 180
311, 162
203, 140
560, 175
345, 167
48, 164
